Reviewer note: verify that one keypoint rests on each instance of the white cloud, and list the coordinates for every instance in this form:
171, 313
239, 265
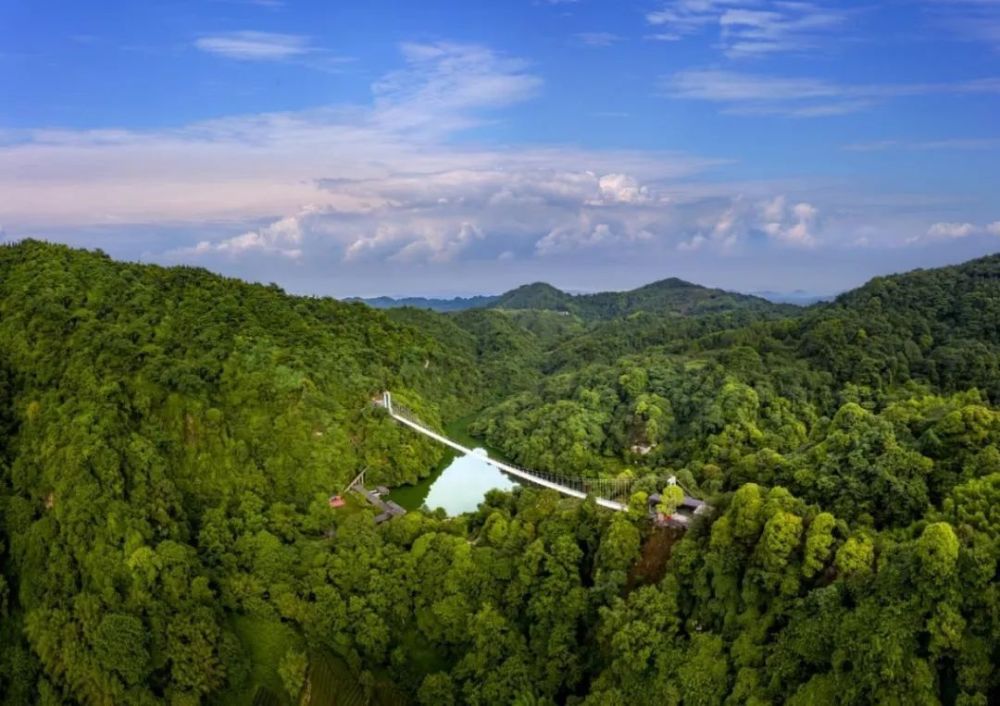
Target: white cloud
725, 231
588, 233
358, 186
679, 18
956, 231
764, 94
735, 87
792, 26
781, 224
282, 237
695, 243
969, 20
748, 28
255, 46
951, 230
952, 143
793, 225
245, 168
491, 211
620, 188
413, 240
443, 81
384, 182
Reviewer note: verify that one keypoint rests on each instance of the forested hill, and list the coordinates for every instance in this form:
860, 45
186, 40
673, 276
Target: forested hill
937, 326
453, 304
169, 441
931, 330
669, 296
940, 325
854, 453
147, 415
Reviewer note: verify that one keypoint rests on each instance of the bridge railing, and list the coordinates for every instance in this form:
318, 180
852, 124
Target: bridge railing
607, 488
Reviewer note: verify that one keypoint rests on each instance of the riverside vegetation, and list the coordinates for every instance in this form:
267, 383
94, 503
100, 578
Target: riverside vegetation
169, 439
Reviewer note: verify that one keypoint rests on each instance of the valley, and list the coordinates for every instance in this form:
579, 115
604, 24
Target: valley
170, 441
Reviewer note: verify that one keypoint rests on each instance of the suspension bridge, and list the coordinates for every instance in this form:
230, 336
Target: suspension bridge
612, 493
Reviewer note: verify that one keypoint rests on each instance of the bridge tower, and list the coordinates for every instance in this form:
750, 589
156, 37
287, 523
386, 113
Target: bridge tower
387, 401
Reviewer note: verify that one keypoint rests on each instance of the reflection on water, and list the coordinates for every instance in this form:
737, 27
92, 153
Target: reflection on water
459, 487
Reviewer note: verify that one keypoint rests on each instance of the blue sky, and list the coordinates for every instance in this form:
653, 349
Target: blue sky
458, 147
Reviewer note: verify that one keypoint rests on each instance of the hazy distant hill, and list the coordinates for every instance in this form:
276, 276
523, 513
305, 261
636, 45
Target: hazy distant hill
455, 304
799, 297
665, 296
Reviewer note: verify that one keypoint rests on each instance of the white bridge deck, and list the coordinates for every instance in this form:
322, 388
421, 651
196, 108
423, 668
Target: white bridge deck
540, 479
603, 490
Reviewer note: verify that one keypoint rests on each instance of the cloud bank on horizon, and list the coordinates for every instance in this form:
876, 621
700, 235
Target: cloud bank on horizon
470, 147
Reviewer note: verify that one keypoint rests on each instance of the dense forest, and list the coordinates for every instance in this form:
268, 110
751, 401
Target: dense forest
169, 439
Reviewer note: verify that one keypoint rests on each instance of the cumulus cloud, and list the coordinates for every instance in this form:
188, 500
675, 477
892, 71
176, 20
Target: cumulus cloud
515, 208
775, 219
387, 183
383, 182
413, 241
956, 231
790, 224
245, 168
586, 233
951, 230
620, 188
724, 234
282, 237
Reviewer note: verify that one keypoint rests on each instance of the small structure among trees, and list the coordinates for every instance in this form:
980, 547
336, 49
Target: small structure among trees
674, 507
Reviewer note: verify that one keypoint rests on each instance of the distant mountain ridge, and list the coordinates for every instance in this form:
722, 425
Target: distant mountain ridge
454, 304
670, 295
798, 296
